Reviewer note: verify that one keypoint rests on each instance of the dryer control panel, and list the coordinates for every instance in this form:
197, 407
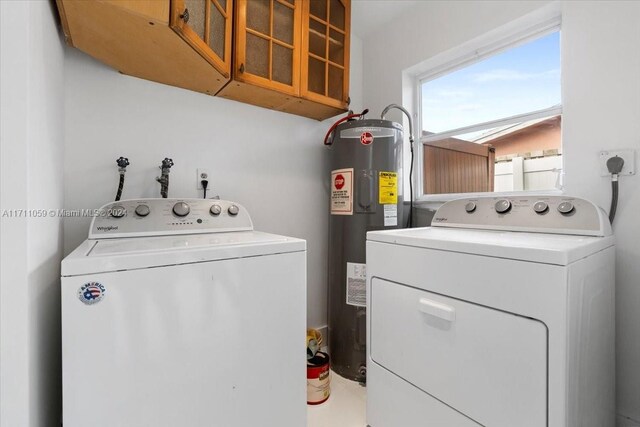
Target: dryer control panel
150, 217
537, 214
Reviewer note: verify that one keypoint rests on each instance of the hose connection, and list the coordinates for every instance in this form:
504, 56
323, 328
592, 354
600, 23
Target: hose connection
163, 179
122, 163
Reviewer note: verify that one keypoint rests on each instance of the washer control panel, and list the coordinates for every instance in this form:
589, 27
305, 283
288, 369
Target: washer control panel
543, 214
154, 217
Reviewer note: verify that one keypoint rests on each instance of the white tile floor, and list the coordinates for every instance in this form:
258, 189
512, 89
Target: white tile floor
345, 407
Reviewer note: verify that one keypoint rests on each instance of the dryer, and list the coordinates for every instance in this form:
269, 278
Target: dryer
501, 314
175, 312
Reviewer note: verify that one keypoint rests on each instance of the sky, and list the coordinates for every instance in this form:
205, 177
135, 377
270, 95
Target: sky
522, 79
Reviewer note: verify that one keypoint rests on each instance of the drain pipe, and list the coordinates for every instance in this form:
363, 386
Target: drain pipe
404, 110
163, 179
122, 162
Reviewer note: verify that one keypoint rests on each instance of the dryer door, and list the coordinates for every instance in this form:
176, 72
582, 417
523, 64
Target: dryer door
487, 364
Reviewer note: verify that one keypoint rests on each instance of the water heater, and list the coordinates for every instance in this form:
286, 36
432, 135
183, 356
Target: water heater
366, 195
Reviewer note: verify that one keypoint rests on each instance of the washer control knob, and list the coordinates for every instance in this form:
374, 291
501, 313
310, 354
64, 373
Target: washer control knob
181, 209
233, 210
142, 210
118, 211
470, 207
215, 210
540, 207
503, 206
565, 208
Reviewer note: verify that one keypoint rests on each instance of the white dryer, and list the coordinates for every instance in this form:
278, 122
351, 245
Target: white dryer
176, 313
501, 315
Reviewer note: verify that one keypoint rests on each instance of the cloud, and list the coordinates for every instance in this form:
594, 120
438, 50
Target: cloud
502, 74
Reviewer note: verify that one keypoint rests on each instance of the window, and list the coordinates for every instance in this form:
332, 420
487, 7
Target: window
493, 123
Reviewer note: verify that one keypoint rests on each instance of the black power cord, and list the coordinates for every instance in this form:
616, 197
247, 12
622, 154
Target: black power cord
614, 164
205, 184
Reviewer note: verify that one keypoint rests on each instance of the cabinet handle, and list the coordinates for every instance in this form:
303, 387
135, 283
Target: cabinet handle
185, 15
348, 100
241, 69
437, 309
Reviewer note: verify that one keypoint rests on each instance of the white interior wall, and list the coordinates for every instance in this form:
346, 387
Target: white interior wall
32, 60
601, 106
272, 163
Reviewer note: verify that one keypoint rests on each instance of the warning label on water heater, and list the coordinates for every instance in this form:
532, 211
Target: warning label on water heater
388, 190
342, 192
357, 284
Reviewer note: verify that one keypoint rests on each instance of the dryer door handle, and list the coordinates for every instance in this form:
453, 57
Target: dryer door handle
437, 309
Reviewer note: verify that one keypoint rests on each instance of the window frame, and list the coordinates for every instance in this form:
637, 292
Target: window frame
461, 57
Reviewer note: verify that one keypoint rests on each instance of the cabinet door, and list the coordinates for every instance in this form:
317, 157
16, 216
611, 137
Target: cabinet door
325, 58
206, 26
267, 45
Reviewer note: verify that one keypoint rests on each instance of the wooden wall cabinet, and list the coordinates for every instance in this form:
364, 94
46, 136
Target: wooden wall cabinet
276, 47
136, 38
286, 55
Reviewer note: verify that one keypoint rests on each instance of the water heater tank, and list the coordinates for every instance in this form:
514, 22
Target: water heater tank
366, 195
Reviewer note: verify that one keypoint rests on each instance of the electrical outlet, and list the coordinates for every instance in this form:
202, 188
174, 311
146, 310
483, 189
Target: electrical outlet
202, 174
628, 156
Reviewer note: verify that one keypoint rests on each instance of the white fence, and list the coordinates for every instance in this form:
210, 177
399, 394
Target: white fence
519, 173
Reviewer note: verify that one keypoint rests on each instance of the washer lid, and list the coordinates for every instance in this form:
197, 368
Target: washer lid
97, 256
535, 247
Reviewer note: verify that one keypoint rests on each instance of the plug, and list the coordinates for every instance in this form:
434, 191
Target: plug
615, 164
205, 184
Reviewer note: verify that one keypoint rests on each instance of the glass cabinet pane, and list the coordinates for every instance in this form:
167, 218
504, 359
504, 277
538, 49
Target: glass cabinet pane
259, 16
318, 8
337, 13
282, 22
336, 81
197, 20
317, 38
217, 27
336, 47
282, 64
257, 56
316, 76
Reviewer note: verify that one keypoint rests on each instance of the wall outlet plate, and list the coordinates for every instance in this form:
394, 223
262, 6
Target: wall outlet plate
628, 156
202, 173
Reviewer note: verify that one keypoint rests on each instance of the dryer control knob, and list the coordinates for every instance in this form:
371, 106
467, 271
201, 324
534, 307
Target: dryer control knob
181, 209
118, 211
215, 210
503, 206
233, 210
540, 207
142, 210
565, 208
470, 207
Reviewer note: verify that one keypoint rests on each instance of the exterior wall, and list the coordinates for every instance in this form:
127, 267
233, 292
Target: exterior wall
539, 137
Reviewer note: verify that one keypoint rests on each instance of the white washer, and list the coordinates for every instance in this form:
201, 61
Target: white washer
177, 313
501, 314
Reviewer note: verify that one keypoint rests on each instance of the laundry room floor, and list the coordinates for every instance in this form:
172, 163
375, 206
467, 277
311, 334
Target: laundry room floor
346, 406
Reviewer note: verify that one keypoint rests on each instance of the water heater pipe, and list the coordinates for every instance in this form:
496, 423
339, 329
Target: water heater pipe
404, 110
344, 119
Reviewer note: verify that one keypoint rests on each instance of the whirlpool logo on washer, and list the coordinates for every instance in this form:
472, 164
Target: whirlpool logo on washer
440, 219
91, 293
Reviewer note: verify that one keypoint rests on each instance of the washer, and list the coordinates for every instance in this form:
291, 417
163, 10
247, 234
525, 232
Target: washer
176, 313
501, 314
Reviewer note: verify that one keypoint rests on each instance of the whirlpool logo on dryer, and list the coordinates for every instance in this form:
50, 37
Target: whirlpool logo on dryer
91, 293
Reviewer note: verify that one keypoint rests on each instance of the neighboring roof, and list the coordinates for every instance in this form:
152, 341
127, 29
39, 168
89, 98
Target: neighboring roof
501, 131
